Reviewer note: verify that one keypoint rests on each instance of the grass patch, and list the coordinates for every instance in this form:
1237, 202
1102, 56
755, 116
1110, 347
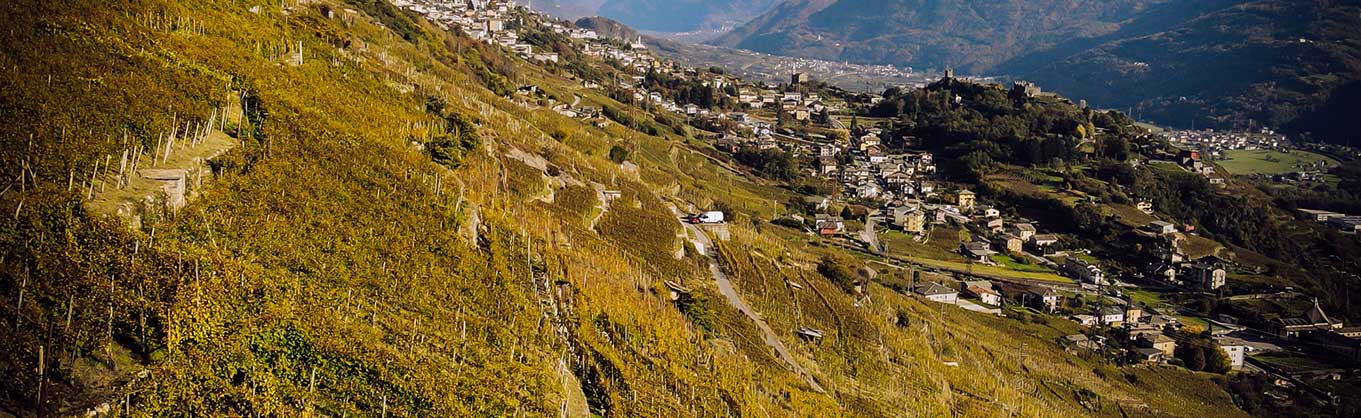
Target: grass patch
1199, 247
947, 239
1146, 297
1012, 263
1241, 162
900, 244
985, 270
1129, 215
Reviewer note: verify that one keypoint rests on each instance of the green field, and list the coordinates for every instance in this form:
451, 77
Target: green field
1013, 263
1268, 162
900, 244
986, 270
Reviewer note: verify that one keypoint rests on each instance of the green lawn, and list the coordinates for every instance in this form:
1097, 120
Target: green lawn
1193, 324
1146, 297
1013, 263
986, 270
902, 245
1268, 162
1085, 257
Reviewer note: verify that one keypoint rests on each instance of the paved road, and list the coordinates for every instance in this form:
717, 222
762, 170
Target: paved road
869, 236
701, 241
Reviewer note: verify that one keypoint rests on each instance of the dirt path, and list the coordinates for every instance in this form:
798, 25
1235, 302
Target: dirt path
574, 403
604, 204
701, 242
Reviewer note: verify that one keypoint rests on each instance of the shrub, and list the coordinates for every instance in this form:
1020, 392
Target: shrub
700, 312
619, 154
451, 147
834, 268
769, 163
1201, 354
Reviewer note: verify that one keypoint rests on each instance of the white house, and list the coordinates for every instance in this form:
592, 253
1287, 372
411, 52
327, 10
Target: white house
1236, 348
935, 292
983, 291
1162, 227
1112, 315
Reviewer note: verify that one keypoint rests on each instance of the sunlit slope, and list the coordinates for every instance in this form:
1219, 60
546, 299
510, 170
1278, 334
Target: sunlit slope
387, 235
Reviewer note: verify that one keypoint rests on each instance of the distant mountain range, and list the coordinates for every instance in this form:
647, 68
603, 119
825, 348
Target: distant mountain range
1221, 63
1292, 64
972, 36
663, 15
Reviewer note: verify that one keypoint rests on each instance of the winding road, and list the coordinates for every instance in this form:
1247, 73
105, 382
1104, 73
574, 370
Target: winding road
702, 242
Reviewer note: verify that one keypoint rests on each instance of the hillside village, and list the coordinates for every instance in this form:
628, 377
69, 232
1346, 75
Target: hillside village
896, 183
887, 188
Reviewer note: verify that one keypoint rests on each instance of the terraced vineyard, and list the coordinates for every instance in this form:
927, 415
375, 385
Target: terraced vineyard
395, 233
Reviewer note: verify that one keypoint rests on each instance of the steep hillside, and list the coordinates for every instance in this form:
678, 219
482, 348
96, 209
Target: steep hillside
388, 230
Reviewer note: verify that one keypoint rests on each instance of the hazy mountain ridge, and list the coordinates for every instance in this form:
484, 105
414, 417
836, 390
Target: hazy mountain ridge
1263, 63
683, 15
664, 15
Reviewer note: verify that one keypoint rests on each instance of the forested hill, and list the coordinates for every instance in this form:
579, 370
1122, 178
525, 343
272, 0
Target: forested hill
384, 218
